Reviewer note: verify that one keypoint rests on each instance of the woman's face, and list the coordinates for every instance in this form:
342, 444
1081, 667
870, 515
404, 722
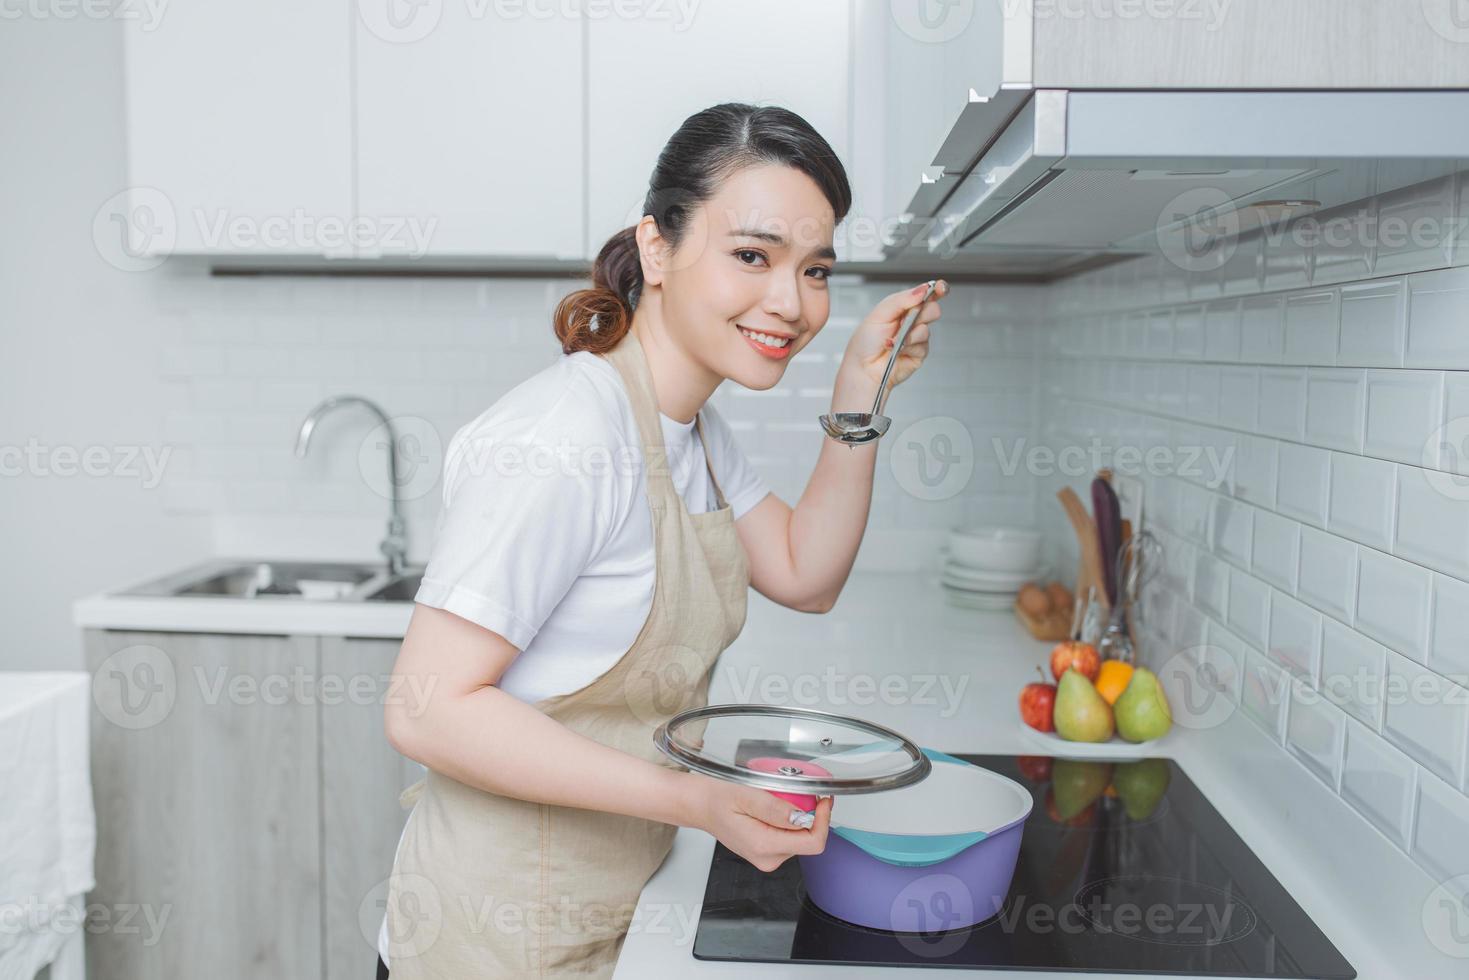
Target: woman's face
754, 260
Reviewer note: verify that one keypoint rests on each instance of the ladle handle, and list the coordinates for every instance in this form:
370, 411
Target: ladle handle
898, 345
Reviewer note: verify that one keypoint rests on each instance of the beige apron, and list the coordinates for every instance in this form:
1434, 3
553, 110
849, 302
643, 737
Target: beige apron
490, 886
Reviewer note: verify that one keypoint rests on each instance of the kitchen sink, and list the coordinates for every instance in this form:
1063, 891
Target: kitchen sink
298, 580
401, 589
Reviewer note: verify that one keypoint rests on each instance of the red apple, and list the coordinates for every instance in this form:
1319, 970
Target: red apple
1077, 656
1036, 768
1037, 701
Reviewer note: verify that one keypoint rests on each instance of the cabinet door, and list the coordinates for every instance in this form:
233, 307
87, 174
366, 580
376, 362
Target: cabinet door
239, 136
469, 129
361, 777
649, 73
204, 775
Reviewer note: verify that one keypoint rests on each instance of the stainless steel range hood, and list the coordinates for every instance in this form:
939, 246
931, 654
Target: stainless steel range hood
1040, 183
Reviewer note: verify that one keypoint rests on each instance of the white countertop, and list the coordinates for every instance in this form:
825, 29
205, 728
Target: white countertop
1366, 895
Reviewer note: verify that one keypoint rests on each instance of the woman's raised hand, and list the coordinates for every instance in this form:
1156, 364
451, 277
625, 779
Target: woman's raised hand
756, 824
872, 341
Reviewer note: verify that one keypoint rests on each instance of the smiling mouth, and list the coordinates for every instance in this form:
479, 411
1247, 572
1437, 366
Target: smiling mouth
766, 344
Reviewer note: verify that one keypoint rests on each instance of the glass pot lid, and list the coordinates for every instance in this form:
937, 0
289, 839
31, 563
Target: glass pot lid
792, 750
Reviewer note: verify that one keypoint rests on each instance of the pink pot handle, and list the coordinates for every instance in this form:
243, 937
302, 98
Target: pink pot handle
772, 764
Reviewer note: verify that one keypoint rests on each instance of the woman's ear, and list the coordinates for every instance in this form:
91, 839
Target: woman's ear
653, 250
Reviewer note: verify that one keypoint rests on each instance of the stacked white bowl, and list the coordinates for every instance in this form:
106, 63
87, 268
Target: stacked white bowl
985, 565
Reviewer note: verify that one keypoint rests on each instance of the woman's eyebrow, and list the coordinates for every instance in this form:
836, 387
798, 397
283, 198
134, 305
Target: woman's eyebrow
825, 252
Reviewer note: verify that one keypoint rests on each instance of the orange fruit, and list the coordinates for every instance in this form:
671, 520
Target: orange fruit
1112, 679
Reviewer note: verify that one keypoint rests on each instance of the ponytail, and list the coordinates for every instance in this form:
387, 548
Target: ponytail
595, 319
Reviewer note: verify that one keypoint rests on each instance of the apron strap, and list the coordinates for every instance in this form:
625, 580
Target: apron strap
704, 444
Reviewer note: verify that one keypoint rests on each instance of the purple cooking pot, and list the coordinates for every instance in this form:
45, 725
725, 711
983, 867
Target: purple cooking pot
933, 856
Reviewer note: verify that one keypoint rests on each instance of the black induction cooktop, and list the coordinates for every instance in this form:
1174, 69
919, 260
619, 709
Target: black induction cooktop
1124, 868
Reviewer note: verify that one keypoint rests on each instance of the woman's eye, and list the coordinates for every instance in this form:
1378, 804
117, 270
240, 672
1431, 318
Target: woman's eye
742, 252
824, 272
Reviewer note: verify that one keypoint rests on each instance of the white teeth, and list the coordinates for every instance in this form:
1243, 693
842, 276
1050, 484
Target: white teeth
766, 339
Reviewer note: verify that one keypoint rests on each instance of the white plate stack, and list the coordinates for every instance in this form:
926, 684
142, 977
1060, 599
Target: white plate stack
986, 565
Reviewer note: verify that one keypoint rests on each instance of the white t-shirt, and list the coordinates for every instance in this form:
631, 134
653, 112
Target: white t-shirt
545, 535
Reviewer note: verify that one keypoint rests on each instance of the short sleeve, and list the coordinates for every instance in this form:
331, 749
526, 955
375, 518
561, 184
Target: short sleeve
742, 484
525, 513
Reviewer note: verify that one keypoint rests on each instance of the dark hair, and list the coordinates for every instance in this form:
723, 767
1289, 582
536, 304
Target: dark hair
709, 147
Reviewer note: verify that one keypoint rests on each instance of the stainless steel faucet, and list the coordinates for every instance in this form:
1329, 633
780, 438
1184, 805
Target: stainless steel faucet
395, 545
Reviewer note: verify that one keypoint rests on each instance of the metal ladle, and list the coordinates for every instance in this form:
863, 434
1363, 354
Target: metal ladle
855, 428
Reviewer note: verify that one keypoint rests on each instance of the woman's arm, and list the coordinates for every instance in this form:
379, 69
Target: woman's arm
444, 711
801, 557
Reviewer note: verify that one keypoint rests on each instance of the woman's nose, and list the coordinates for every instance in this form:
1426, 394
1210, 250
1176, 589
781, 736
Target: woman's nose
783, 300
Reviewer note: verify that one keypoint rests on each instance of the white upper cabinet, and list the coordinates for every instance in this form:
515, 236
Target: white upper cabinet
469, 130
652, 71
239, 127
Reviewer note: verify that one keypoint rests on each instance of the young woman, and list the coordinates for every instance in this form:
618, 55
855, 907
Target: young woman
600, 533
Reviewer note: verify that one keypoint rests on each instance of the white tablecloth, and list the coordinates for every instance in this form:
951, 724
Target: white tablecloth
48, 829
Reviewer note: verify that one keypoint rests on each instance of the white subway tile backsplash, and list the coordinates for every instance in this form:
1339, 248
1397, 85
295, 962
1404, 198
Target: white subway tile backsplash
1249, 608
1295, 637
1221, 331
1239, 396
1283, 402
1254, 470
1448, 651
1453, 439
1438, 319
1315, 733
1225, 654
1188, 333
1275, 549
1301, 490
1231, 530
1427, 716
1328, 573
1334, 403
1262, 329
1134, 334
1195, 505
1327, 577
1203, 393
1432, 521
1392, 602
1264, 693
1373, 323
1211, 585
1311, 322
1404, 408
1378, 781
1361, 499
1352, 672
1440, 830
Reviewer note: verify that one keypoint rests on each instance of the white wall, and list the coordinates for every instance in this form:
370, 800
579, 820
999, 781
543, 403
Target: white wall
79, 342
1325, 576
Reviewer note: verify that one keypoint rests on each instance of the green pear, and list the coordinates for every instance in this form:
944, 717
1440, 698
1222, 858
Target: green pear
1142, 709
1141, 786
1081, 714
1077, 784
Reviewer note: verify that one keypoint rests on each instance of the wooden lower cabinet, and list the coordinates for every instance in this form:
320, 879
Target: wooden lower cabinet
246, 802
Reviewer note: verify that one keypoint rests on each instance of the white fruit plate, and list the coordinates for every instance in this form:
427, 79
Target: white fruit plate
1115, 748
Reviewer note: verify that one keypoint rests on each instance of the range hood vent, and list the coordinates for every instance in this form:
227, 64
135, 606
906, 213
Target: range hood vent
1065, 180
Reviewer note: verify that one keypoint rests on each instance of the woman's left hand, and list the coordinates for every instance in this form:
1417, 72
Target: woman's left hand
872, 341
